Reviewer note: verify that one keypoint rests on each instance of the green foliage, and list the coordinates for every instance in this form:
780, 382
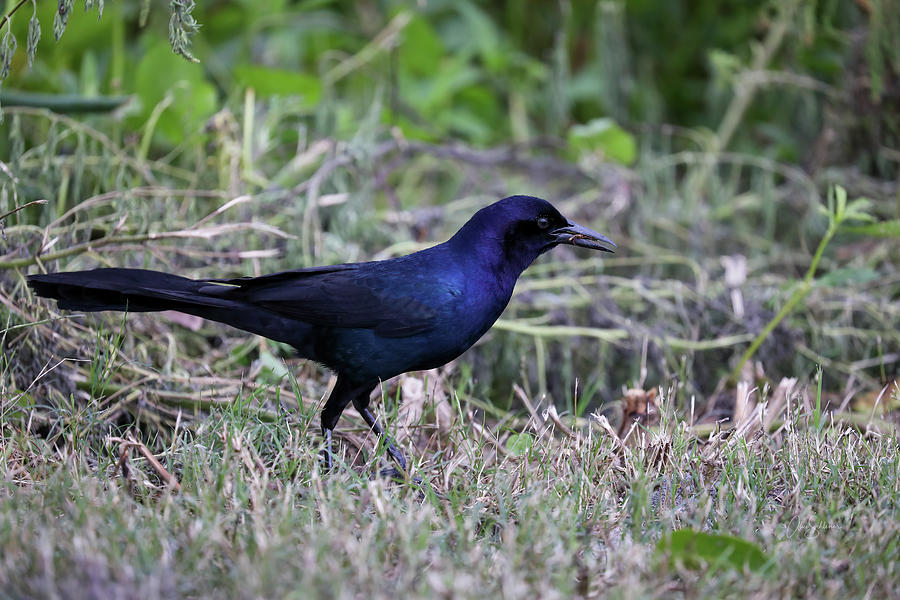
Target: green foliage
34, 36
7, 50
267, 81
882, 229
182, 27
61, 17
471, 70
175, 88
839, 212
519, 444
604, 140
697, 550
882, 49
273, 368
848, 276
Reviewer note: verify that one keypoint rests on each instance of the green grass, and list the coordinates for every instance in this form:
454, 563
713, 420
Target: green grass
576, 515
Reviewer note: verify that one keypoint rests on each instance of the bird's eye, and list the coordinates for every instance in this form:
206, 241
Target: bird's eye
543, 222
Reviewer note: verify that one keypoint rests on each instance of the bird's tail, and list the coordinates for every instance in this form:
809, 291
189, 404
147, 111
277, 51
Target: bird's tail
139, 290
134, 290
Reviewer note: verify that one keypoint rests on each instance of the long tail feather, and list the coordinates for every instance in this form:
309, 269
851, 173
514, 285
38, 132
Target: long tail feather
140, 290
122, 289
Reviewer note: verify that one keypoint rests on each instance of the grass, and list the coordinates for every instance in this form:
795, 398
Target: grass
575, 515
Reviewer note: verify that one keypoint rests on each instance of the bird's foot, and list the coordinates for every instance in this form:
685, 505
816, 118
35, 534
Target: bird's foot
397, 456
392, 473
398, 472
399, 476
392, 450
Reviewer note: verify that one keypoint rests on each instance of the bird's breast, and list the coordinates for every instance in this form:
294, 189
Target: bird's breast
464, 309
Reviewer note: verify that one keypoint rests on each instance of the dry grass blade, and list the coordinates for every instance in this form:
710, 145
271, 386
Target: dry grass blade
551, 414
538, 420
778, 403
24, 206
129, 442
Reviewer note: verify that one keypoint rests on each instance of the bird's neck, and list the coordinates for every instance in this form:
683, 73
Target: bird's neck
487, 258
505, 265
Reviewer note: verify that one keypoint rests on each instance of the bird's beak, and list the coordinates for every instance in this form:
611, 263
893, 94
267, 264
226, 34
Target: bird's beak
578, 235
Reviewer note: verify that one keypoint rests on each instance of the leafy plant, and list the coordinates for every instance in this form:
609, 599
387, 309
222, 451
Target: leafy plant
839, 213
604, 140
182, 26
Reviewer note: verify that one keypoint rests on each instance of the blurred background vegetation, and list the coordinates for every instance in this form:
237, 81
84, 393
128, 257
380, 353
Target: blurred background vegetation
702, 136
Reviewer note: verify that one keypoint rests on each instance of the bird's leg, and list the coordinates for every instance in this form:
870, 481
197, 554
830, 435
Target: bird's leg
327, 456
395, 453
361, 404
342, 394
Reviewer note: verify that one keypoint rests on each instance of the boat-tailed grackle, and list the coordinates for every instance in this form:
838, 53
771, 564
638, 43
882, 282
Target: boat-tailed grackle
365, 321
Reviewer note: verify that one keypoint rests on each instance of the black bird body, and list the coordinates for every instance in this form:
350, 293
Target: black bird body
365, 321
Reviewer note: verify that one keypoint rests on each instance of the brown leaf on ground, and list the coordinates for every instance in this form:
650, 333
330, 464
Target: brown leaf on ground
882, 401
636, 406
422, 393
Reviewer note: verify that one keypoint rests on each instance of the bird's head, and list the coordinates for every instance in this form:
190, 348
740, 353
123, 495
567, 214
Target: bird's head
525, 227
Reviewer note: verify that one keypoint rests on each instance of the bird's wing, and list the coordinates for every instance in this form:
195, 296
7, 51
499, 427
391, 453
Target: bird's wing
346, 296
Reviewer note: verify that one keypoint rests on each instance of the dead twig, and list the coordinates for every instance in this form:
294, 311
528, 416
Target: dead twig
129, 442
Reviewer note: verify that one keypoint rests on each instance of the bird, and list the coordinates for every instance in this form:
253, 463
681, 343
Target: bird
366, 321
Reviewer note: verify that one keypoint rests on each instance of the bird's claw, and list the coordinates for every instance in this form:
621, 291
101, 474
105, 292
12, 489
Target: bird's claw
395, 474
397, 456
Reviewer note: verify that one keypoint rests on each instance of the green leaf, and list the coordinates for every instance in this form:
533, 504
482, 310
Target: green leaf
466, 123
839, 210
840, 196
421, 50
605, 137
483, 34
884, 229
519, 444
438, 91
473, 114
273, 368
412, 130
847, 277
162, 72
20, 407
279, 82
725, 66
696, 550
859, 210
